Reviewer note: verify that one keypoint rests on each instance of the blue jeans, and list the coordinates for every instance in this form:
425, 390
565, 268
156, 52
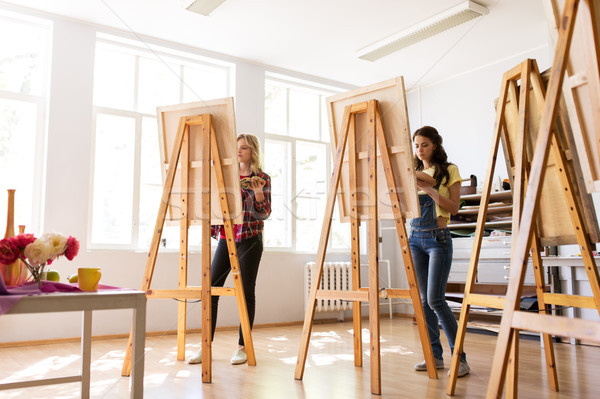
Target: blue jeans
249, 253
432, 257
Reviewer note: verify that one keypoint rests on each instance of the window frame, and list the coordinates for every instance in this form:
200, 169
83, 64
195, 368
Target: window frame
166, 55
323, 91
41, 103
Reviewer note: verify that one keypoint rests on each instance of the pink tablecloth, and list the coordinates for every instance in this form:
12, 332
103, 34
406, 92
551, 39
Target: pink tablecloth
11, 295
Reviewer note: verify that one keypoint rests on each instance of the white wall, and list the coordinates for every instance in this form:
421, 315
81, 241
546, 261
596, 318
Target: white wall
280, 295
461, 108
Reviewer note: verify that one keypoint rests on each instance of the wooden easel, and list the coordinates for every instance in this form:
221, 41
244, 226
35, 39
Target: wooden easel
512, 319
375, 135
181, 148
517, 161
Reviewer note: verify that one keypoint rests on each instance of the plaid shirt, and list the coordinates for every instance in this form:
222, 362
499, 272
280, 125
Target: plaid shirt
254, 213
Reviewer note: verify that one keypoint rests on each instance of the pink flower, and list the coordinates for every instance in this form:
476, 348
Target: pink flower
8, 252
72, 248
22, 240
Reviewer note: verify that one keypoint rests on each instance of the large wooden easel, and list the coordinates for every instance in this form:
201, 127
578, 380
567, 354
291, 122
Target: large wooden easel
517, 120
514, 320
210, 151
374, 135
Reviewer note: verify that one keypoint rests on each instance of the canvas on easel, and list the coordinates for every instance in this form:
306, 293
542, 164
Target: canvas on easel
582, 85
222, 111
392, 106
514, 320
200, 174
374, 179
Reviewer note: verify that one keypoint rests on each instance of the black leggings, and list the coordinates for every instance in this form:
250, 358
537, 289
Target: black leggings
249, 254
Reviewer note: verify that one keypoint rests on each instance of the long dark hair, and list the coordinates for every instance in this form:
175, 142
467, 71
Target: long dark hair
439, 158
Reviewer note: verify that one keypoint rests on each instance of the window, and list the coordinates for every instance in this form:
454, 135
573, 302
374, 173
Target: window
25, 45
130, 81
298, 159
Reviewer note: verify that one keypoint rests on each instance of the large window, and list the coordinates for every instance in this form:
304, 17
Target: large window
298, 159
130, 81
24, 81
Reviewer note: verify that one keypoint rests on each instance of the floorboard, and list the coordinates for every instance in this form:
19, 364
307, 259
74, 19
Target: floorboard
329, 373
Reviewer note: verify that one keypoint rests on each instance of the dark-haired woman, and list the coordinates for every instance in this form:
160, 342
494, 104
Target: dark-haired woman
430, 240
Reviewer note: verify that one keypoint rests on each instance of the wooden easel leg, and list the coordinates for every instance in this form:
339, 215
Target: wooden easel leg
546, 338
404, 245
512, 382
372, 251
530, 77
160, 221
183, 244
479, 230
206, 254
355, 244
233, 254
312, 300
520, 253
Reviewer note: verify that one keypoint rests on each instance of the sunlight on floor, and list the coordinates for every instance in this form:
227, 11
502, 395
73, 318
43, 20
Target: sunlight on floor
182, 374
155, 378
396, 349
43, 367
279, 338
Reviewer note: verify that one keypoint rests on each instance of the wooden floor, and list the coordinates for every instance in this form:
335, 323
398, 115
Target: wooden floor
330, 371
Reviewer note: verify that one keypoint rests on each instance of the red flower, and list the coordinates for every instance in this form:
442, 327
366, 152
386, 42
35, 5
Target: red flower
8, 252
22, 240
72, 248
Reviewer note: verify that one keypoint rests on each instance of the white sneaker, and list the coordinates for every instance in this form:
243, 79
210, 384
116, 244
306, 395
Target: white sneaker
197, 358
463, 369
439, 364
239, 357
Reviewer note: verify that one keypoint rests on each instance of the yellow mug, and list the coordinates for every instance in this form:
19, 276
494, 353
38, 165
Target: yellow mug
88, 278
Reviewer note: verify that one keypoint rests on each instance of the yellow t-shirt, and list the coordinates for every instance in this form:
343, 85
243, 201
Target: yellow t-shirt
444, 189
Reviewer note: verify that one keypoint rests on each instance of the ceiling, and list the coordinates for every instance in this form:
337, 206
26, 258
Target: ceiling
321, 37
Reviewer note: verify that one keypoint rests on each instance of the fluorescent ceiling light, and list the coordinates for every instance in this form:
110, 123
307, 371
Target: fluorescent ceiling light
203, 7
441, 22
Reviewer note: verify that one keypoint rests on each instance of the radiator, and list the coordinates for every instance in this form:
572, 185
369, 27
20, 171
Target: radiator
335, 276
338, 276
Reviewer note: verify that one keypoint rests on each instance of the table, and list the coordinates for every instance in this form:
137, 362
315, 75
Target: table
88, 302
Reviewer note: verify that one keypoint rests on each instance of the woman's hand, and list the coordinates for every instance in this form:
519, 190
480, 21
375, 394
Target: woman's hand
424, 180
424, 185
257, 185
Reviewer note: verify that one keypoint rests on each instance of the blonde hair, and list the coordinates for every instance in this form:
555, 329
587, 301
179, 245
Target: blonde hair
255, 157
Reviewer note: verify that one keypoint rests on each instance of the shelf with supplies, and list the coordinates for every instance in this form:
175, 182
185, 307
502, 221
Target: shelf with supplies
499, 214
493, 273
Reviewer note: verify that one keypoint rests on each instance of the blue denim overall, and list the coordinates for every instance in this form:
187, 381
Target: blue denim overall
431, 249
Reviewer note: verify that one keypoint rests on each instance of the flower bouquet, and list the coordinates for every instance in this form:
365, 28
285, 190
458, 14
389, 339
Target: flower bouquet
36, 253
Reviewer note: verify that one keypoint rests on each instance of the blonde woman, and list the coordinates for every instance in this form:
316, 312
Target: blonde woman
256, 202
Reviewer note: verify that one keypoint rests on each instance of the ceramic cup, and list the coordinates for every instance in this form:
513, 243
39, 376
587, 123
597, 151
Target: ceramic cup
88, 278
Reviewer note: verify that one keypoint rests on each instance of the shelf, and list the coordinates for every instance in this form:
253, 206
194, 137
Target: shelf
488, 225
500, 208
495, 196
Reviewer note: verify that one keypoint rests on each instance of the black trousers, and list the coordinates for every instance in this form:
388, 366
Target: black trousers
249, 254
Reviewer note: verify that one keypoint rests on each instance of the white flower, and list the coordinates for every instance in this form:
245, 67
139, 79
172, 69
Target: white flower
56, 242
38, 252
